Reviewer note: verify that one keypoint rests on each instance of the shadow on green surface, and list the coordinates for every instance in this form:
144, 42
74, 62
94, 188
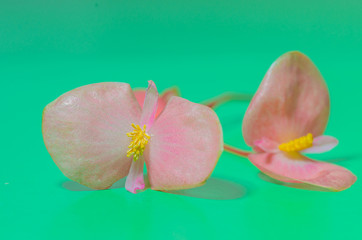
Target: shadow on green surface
214, 188
342, 159
303, 186
74, 186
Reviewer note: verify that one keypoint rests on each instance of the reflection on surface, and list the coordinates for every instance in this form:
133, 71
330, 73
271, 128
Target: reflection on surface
286, 213
99, 215
118, 214
292, 185
214, 188
177, 217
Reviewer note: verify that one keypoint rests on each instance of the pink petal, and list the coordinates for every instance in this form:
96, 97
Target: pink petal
266, 145
186, 142
149, 105
162, 100
322, 144
135, 180
140, 94
291, 101
85, 130
298, 168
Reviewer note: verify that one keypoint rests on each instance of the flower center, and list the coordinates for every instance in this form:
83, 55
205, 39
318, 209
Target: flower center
298, 144
139, 141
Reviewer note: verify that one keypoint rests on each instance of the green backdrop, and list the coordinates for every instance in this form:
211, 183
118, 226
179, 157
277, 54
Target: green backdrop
205, 48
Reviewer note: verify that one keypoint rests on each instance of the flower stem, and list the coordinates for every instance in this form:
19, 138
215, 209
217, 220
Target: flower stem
236, 151
226, 97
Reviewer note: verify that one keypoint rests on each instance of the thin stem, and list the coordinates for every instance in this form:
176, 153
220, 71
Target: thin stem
236, 151
226, 97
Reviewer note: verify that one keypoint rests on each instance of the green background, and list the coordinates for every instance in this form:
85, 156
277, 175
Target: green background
205, 48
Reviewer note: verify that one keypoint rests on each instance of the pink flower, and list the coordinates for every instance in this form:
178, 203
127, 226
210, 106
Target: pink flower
98, 134
287, 118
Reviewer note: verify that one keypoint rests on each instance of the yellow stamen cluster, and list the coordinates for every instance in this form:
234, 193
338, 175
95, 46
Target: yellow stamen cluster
139, 141
298, 144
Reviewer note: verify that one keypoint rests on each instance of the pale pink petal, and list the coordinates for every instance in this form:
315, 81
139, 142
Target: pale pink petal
186, 142
266, 145
85, 130
322, 144
140, 94
149, 105
135, 176
135, 180
291, 102
298, 168
276, 176
162, 99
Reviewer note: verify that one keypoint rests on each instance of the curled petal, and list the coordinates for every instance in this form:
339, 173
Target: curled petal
291, 102
85, 130
135, 180
298, 168
150, 105
322, 144
186, 142
266, 145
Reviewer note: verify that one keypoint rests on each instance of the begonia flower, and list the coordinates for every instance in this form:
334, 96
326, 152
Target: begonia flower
98, 134
286, 118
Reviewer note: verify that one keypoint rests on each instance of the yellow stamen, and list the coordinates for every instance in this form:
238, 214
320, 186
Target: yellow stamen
139, 141
298, 144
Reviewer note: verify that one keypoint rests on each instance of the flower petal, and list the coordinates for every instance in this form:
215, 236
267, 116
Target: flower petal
266, 145
291, 101
150, 105
162, 100
322, 144
186, 142
140, 94
135, 180
298, 168
85, 130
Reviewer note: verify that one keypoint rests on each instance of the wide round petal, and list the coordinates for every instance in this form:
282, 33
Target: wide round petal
140, 94
186, 142
322, 144
298, 168
85, 130
291, 101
